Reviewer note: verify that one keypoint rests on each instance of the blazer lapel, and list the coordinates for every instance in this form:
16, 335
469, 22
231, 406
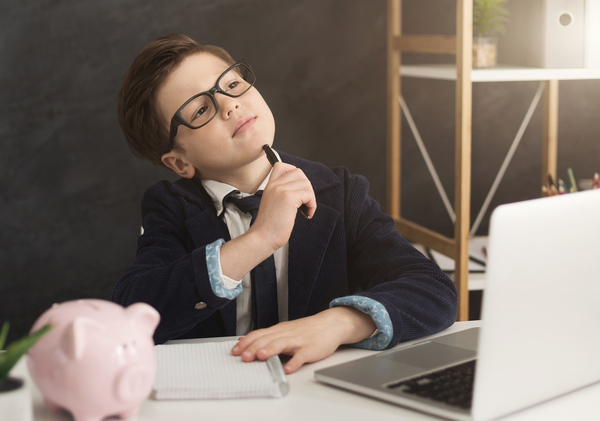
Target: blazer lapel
308, 243
310, 238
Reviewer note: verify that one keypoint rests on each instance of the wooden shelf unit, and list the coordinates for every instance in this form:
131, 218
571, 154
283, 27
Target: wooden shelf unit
464, 76
459, 45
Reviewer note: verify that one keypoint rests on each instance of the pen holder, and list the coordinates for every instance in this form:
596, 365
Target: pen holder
560, 187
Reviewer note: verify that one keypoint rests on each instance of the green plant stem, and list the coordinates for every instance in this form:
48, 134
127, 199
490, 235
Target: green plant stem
17, 349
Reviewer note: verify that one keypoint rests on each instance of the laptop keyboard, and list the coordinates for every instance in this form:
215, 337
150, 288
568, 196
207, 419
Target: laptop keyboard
452, 386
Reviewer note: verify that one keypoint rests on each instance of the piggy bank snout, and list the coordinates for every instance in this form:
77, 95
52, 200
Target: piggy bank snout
134, 383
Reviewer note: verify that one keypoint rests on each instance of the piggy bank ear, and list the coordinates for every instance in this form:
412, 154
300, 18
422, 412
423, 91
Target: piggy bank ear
145, 315
76, 336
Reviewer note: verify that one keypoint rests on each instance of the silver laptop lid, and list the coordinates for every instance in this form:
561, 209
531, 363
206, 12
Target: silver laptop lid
541, 312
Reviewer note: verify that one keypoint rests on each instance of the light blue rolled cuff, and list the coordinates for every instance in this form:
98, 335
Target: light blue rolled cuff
215, 275
378, 313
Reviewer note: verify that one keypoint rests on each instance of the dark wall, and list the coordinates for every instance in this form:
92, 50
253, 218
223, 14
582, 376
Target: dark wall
70, 188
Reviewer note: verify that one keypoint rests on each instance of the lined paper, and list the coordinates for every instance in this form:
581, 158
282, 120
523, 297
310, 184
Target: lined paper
208, 370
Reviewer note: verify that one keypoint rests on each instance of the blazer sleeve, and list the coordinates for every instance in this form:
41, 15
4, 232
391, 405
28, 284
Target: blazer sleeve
168, 272
382, 265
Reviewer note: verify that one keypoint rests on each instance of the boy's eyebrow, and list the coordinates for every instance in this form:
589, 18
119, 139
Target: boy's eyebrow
188, 91
216, 79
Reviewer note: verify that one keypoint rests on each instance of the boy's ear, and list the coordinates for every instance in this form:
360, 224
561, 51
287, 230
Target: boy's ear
178, 164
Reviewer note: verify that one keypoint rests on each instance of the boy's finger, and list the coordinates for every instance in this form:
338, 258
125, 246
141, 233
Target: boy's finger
281, 168
296, 361
246, 341
248, 346
279, 345
296, 181
309, 208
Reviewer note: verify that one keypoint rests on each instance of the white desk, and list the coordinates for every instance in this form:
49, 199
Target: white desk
311, 400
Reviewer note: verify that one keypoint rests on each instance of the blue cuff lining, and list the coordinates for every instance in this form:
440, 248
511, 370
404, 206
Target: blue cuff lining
213, 258
379, 314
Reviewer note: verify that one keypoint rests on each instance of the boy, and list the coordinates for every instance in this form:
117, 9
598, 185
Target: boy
292, 284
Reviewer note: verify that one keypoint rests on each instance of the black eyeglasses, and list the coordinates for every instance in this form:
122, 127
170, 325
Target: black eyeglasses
200, 109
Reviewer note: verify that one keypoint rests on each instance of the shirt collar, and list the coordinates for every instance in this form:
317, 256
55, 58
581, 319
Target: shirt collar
217, 191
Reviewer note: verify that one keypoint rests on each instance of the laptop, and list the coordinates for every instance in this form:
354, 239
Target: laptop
539, 336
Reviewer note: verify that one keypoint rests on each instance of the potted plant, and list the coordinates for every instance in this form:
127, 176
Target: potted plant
489, 17
15, 399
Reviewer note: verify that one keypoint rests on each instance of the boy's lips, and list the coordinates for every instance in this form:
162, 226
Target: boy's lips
243, 124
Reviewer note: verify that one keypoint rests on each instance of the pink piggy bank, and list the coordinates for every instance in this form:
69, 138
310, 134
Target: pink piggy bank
98, 360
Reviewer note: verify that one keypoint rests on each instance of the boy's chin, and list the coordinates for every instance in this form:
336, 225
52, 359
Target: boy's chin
257, 147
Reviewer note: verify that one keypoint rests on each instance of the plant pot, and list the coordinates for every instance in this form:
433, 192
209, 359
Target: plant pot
485, 52
15, 400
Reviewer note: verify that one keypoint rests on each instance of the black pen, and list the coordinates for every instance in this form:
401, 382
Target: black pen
273, 160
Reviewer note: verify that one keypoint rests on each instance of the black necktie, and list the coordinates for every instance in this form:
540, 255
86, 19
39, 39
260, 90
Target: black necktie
264, 279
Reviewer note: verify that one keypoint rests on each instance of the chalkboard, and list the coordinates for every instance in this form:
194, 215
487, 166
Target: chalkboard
70, 189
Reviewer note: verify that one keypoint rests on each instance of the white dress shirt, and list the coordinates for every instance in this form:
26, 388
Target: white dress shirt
238, 223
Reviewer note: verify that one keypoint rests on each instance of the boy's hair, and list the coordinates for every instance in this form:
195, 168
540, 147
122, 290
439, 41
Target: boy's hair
140, 119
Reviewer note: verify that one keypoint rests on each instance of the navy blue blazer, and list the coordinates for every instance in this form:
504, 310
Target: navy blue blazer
348, 247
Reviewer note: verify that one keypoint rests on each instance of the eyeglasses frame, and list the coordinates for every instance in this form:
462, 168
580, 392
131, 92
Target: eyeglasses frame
178, 120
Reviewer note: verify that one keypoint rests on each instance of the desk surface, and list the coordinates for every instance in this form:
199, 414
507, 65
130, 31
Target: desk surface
310, 400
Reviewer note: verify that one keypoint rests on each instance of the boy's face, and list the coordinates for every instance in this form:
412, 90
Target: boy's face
233, 139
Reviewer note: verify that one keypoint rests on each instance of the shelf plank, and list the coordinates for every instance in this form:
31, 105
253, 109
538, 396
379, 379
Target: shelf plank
502, 73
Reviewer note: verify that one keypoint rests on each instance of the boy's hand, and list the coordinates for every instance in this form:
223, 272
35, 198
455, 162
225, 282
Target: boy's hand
307, 340
287, 190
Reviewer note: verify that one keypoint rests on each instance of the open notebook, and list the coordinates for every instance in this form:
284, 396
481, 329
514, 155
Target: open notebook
208, 370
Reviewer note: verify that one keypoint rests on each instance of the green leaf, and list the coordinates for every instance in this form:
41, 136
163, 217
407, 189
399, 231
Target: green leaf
17, 349
489, 16
3, 334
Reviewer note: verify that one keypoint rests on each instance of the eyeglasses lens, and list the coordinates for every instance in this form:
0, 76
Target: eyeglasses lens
234, 83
